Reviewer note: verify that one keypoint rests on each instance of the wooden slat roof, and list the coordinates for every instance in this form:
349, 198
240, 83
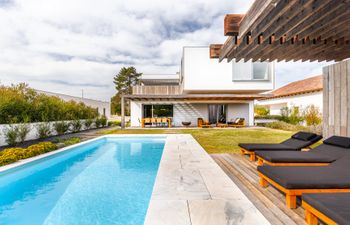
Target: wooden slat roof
315, 30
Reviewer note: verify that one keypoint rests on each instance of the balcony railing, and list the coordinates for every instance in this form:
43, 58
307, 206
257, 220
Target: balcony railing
157, 90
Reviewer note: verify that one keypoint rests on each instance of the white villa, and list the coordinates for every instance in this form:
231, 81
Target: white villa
300, 94
204, 88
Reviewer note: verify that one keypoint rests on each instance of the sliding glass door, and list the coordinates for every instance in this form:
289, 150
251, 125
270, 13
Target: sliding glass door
217, 113
158, 111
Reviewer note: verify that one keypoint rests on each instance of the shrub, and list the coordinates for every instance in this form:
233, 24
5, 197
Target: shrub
312, 116
261, 110
98, 123
103, 121
11, 135
76, 126
114, 123
281, 125
71, 141
61, 127
272, 117
23, 130
44, 130
291, 116
88, 123
11, 155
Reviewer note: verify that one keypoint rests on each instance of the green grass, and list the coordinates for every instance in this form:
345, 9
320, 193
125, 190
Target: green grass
219, 140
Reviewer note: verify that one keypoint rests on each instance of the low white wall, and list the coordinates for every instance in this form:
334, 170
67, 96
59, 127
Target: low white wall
32, 135
189, 112
301, 101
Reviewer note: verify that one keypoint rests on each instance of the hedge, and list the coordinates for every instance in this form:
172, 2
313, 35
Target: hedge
21, 104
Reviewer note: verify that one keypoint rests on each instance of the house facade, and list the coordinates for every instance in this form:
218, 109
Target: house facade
301, 94
204, 88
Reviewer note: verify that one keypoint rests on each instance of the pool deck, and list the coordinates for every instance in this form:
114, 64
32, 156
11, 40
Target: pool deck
191, 189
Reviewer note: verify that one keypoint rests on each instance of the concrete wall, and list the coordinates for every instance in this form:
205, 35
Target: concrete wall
192, 111
201, 73
103, 107
336, 99
301, 101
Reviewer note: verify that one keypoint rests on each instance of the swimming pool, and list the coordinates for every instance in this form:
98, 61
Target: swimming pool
105, 181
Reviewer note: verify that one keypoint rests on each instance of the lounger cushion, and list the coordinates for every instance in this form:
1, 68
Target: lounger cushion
264, 147
295, 157
336, 175
335, 206
338, 141
321, 154
304, 136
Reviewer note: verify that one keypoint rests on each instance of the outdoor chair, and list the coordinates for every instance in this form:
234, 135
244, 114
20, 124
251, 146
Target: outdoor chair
331, 208
238, 122
159, 121
203, 123
164, 121
294, 181
297, 142
332, 149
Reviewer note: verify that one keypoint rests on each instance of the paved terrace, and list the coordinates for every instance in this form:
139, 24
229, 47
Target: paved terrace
191, 189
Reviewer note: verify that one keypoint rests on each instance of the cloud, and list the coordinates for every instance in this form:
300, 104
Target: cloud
65, 46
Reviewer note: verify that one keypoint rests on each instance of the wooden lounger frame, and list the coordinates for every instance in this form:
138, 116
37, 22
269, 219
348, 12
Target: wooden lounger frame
262, 161
312, 215
252, 156
291, 194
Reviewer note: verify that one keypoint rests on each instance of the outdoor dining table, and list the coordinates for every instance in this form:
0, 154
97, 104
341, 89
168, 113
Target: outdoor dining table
155, 120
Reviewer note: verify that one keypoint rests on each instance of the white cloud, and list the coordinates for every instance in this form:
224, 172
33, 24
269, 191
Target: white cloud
65, 46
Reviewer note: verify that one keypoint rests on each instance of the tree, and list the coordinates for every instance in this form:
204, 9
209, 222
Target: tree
124, 81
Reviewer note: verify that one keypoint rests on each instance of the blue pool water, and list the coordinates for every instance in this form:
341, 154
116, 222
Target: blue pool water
107, 181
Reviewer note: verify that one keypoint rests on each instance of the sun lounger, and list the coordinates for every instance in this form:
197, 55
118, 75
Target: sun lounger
297, 142
297, 180
331, 208
332, 149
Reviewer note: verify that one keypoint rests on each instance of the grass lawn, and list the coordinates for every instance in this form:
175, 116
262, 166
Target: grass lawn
219, 140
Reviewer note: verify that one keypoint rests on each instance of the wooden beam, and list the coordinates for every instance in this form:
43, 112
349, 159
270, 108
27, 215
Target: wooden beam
123, 112
231, 24
214, 51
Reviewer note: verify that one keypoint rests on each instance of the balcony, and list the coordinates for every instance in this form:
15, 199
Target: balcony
157, 90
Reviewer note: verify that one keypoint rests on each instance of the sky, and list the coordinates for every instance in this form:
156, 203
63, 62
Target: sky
67, 46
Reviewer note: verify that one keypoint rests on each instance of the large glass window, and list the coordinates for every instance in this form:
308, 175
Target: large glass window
156, 111
248, 71
217, 113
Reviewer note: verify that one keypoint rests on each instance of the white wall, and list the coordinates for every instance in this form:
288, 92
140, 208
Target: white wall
192, 111
201, 73
301, 101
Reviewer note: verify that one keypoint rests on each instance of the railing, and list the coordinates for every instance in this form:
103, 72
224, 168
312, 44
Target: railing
157, 90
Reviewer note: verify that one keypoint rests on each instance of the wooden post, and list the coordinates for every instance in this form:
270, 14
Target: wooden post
291, 201
123, 112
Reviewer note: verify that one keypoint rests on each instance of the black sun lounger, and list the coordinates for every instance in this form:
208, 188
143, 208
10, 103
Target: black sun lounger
331, 208
297, 142
332, 149
297, 180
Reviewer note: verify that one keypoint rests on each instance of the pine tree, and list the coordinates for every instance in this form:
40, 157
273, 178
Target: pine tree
124, 81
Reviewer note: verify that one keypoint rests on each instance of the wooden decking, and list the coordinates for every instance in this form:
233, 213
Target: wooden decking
269, 200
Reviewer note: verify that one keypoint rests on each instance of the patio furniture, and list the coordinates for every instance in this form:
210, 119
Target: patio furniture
238, 122
203, 123
157, 121
332, 149
221, 125
294, 181
297, 142
331, 208
186, 123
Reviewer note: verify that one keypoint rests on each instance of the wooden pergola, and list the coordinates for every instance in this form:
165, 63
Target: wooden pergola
315, 30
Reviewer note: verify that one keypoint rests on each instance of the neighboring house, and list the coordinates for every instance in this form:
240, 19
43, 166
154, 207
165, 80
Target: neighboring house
104, 108
300, 94
204, 88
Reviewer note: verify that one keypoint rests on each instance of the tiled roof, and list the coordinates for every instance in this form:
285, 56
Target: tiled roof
312, 84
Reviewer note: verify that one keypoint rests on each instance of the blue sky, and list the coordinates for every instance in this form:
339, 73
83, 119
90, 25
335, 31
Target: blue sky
65, 46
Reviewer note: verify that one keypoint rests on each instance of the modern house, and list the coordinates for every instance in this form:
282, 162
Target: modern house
300, 94
204, 88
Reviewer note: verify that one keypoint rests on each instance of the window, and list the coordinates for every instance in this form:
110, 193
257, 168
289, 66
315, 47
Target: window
154, 111
248, 71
